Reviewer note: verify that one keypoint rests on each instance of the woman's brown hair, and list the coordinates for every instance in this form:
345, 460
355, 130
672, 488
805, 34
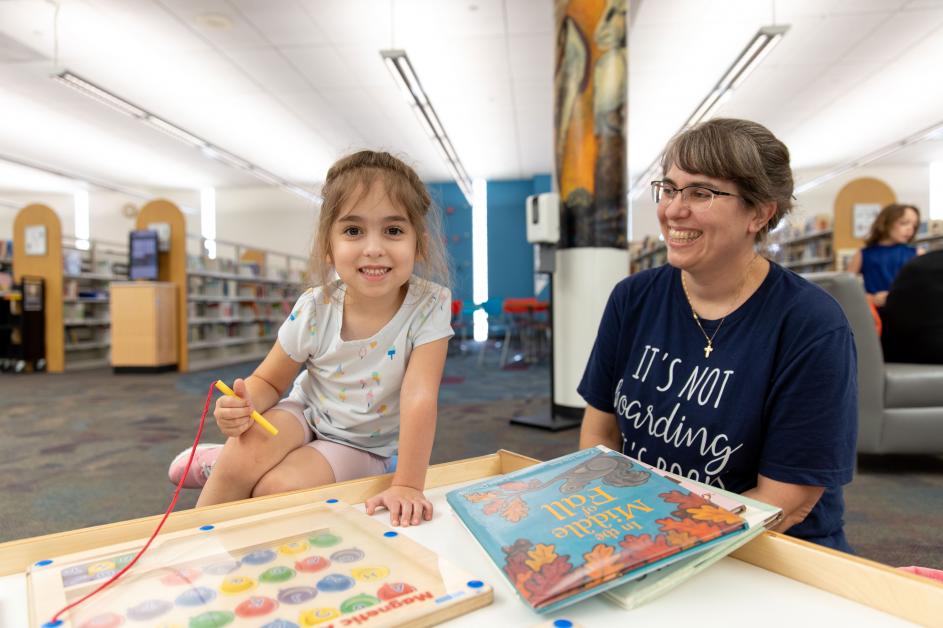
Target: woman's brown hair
743, 152
349, 180
881, 227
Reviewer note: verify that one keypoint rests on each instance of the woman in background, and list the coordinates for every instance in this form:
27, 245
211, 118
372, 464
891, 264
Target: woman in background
886, 250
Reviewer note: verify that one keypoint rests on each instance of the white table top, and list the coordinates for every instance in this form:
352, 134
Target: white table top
730, 592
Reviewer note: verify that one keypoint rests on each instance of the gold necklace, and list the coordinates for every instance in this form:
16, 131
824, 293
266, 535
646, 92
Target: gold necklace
710, 339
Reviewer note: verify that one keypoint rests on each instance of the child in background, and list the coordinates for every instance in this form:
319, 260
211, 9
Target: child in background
886, 250
372, 344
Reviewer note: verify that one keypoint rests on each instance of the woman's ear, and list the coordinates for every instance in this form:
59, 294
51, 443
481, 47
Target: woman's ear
763, 214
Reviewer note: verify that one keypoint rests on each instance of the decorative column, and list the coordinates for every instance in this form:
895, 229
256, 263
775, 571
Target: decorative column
590, 119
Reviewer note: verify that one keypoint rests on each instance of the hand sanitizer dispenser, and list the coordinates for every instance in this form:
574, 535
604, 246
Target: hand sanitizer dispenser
543, 218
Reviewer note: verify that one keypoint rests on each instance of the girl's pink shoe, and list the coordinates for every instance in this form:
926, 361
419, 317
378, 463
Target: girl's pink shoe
203, 461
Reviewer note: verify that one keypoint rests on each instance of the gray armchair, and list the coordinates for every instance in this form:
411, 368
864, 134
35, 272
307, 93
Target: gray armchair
900, 406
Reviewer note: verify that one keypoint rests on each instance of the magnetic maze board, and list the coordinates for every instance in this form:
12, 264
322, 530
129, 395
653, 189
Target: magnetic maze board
323, 564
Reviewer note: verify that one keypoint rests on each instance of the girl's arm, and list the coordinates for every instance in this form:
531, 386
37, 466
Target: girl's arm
260, 391
418, 409
271, 378
854, 264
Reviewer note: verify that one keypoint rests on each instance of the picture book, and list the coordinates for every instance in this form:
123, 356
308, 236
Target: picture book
324, 564
572, 527
759, 517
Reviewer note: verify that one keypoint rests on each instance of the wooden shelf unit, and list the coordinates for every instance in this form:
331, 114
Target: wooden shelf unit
77, 277
652, 253
236, 302
801, 249
6, 256
228, 308
930, 242
86, 285
47, 266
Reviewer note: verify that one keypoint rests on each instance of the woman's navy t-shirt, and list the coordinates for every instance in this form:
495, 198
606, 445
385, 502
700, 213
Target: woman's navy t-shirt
777, 396
880, 265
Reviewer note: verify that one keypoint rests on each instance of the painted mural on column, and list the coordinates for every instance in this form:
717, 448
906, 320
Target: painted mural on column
590, 121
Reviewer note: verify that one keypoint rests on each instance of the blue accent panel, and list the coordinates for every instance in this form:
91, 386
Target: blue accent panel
510, 256
542, 183
457, 226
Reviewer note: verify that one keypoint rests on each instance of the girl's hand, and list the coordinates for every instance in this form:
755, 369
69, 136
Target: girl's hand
233, 416
407, 505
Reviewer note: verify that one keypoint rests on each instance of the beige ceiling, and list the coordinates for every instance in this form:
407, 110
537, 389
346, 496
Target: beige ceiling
292, 84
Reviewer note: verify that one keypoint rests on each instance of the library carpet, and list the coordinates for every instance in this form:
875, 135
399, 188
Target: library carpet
92, 447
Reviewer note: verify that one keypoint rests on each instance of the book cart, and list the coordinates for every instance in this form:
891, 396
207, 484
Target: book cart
774, 580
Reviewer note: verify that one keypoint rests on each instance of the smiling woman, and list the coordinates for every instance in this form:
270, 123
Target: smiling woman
722, 366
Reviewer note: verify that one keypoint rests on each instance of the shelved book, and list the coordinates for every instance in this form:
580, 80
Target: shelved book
569, 528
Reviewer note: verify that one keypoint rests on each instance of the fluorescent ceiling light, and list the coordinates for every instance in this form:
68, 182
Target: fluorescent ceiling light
81, 224
748, 60
397, 62
930, 132
480, 255
93, 91
83, 180
87, 88
208, 220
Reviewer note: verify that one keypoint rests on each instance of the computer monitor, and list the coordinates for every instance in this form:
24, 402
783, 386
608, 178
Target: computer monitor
143, 256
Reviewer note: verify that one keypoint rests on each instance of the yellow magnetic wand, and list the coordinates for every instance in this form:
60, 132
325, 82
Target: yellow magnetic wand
226, 390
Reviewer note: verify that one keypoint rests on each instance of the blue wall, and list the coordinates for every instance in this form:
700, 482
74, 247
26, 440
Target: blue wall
510, 256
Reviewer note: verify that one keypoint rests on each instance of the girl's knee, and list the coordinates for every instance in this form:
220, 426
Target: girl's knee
273, 482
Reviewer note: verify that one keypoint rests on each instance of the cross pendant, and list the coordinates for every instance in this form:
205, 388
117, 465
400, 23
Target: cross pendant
707, 350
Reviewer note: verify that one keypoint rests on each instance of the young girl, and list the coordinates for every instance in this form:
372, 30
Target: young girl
886, 250
372, 344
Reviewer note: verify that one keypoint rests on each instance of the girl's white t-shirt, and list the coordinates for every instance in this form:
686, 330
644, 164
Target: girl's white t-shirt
350, 389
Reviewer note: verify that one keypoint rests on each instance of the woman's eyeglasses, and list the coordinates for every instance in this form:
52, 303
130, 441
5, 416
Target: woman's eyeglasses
696, 197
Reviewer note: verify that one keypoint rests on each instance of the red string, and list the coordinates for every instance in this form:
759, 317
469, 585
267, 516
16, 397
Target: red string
173, 502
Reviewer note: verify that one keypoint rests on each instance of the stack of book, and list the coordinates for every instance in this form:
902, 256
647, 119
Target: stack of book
597, 521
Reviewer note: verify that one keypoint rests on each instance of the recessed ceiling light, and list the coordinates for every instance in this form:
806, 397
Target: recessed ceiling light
216, 21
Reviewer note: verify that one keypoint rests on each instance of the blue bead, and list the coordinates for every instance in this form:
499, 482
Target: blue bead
43, 563
562, 623
332, 501
53, 624
207, 527
475, 584
390, 534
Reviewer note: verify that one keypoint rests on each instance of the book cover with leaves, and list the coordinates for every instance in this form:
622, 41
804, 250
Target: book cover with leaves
577, 525
758, 516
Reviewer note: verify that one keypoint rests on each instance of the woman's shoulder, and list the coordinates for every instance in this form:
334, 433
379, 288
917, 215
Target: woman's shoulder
657, 278
802, 302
